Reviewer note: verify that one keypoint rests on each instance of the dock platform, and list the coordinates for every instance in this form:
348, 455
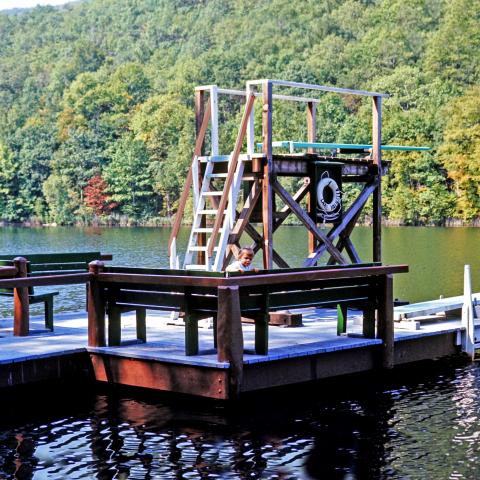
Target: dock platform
296, 355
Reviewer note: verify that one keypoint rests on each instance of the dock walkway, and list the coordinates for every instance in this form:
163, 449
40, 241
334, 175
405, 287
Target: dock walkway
315, 346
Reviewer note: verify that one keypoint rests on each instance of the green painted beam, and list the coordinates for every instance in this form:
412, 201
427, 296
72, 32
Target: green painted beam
347, 146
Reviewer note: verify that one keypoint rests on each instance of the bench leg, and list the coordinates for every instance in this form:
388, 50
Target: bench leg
114, 326
261, 334
191, 334
215, 330
49, 313
369, 323
141, 324
341, 319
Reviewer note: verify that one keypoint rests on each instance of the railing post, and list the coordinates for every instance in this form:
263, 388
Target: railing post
96, 307
21, 307
385, 320
229, 334
468, 343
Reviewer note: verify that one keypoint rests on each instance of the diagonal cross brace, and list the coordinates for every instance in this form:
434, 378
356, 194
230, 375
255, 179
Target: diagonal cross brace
308, 222
349, 218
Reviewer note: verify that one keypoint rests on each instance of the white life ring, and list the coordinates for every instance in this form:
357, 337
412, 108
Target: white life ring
329, 196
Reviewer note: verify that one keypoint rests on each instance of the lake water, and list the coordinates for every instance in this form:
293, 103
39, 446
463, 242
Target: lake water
436, 256
415, 423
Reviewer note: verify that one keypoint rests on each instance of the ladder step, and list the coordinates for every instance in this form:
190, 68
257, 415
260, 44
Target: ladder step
195, 267
212, 194
209, 212
204, 230
217, 175
200, 249
244, 157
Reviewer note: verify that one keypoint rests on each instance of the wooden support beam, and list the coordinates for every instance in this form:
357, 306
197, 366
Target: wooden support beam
268, 176
385, 320
348, 221
96, 307
230, 335
259, 243
21, 307
377, 194
308, 222
287, 210
199, 116
311, 138
345, 242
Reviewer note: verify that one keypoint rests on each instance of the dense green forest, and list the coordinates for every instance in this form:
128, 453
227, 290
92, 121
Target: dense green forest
96, 98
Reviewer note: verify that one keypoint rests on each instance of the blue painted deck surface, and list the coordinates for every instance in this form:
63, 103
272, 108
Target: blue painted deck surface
165, 342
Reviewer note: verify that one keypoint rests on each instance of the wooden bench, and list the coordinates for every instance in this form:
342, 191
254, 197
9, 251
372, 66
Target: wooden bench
276, 290
44, 264
193, 303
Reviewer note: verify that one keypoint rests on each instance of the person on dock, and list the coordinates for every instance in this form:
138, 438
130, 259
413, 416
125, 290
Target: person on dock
243, 262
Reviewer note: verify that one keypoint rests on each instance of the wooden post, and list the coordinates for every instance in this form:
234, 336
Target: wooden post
385, 320
377, 160
21, 307
191, 325
468, 335
230, 335
96, 307
268, 176
199, 114
311, 138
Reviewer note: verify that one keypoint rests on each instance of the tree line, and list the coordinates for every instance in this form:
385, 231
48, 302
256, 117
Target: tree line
97, 105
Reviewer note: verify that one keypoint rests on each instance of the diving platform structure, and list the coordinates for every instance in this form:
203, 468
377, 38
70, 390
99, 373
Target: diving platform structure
232, 192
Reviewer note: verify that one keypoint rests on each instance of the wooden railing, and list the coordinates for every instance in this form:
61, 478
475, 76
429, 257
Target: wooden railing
16, 277
229, 298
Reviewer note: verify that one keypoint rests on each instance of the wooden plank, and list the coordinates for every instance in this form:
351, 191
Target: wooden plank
323, 88
231, 173
308, 222
56, 258
50, 280
161, 375
310, 275
431, 307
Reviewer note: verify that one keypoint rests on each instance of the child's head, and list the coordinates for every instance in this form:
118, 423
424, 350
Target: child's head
245, 256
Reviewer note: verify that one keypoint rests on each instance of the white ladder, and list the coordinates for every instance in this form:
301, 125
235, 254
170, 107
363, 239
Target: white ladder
201, 211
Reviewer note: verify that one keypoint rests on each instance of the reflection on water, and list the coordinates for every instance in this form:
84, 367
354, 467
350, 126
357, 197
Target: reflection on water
420, 424
436, 256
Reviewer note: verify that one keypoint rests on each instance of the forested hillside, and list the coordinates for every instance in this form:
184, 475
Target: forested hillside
96, 98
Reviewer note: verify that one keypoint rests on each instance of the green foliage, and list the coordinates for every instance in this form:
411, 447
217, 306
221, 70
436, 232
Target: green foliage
460, 151
105, 88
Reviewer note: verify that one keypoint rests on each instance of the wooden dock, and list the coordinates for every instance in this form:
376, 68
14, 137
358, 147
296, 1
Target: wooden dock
296, 355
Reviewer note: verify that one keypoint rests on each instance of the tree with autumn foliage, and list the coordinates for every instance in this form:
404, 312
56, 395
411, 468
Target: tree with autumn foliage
95, 197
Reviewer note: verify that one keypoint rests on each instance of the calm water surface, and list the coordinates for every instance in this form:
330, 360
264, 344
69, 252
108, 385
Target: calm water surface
436, 256
420, 423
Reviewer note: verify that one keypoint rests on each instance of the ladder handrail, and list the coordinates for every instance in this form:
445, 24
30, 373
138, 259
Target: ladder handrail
188, 183
231, 172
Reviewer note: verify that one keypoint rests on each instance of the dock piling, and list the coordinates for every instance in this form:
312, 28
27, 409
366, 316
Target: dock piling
468, 342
